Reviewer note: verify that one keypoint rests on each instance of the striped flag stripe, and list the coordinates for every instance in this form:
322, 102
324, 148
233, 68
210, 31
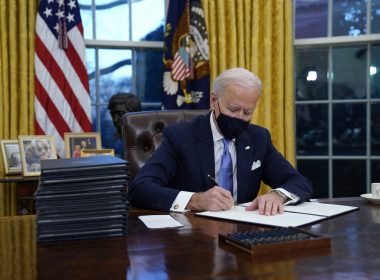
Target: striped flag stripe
42, 120
53, 114
179, 74
52, 50
50, 88
37, 128
179, 69
63, 84
74, 55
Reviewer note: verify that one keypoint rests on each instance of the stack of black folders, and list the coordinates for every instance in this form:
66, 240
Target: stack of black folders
82, 198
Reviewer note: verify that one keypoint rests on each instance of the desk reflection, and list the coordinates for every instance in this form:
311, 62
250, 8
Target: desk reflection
83, 259
18, 248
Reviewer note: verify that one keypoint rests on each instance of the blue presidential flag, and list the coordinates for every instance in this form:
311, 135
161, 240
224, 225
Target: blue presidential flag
186, 78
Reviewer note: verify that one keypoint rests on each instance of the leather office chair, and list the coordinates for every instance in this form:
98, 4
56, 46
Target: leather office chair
142, 133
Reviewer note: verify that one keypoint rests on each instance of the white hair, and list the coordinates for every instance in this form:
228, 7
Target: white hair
235, 76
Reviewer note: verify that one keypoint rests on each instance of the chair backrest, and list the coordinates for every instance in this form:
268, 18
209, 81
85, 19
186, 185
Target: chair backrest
142, 133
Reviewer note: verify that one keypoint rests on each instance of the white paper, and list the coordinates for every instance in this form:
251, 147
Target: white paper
320, 209
287, 219
159, 221
315, 208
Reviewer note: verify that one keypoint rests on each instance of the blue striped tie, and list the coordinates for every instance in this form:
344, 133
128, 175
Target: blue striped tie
225, 172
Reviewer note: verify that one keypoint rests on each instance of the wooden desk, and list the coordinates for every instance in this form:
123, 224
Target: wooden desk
193, 251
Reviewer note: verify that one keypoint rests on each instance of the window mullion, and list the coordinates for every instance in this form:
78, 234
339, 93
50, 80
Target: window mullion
369, 18
329, 18
368, 116
330, 79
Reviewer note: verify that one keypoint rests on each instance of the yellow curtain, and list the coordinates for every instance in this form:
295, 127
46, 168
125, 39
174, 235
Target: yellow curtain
257, 35
17, 23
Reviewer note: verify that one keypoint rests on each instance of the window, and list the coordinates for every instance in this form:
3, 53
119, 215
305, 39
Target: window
124, 40
337, 94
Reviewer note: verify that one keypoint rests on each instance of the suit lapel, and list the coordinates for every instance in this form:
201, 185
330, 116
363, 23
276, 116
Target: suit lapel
205, 149
244, 158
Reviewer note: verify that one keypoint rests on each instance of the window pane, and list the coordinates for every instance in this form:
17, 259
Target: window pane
86, 16
349, 68
349, 129
94, 118
149, 69
311, 73
375, 19
311, 127
148, 18
374, 71
353, 185
115, 73
112, 20
375, 171
90, 64
317, 172
375, 129
349, 17
311, 18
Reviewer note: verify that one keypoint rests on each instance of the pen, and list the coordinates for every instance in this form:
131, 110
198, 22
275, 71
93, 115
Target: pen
212, 179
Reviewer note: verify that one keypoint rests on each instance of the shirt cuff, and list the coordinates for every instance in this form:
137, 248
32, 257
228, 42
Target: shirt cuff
181, 201
293, 198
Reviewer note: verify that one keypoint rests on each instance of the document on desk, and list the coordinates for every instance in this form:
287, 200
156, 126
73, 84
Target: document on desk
316, 208
239, 213
294, 215
319, 209
159, 221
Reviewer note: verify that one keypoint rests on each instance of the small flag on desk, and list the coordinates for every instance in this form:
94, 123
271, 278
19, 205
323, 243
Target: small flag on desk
186, 80
62, 100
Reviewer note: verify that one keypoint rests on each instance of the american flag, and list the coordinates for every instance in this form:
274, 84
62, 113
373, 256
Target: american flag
62, 100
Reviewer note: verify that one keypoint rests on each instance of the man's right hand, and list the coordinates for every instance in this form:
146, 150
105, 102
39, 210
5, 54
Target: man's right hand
215, 199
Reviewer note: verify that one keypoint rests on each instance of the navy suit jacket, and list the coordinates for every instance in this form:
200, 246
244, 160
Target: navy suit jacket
186, 157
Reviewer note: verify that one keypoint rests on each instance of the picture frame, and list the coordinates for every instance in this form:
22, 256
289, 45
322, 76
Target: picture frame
97, 152
10, 150
75, 142
33, 149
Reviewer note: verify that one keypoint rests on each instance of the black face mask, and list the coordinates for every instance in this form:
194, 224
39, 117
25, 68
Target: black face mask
230, 127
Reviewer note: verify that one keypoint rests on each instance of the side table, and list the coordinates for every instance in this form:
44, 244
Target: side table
26, 186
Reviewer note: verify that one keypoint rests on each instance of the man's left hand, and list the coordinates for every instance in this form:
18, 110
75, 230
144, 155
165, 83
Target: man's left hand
268, 204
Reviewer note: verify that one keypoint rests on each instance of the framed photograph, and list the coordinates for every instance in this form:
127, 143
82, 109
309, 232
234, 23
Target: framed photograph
10, 150
76, 142
97, 152
34, 148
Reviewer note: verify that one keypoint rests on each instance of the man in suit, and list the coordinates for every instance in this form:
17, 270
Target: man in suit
177, 176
